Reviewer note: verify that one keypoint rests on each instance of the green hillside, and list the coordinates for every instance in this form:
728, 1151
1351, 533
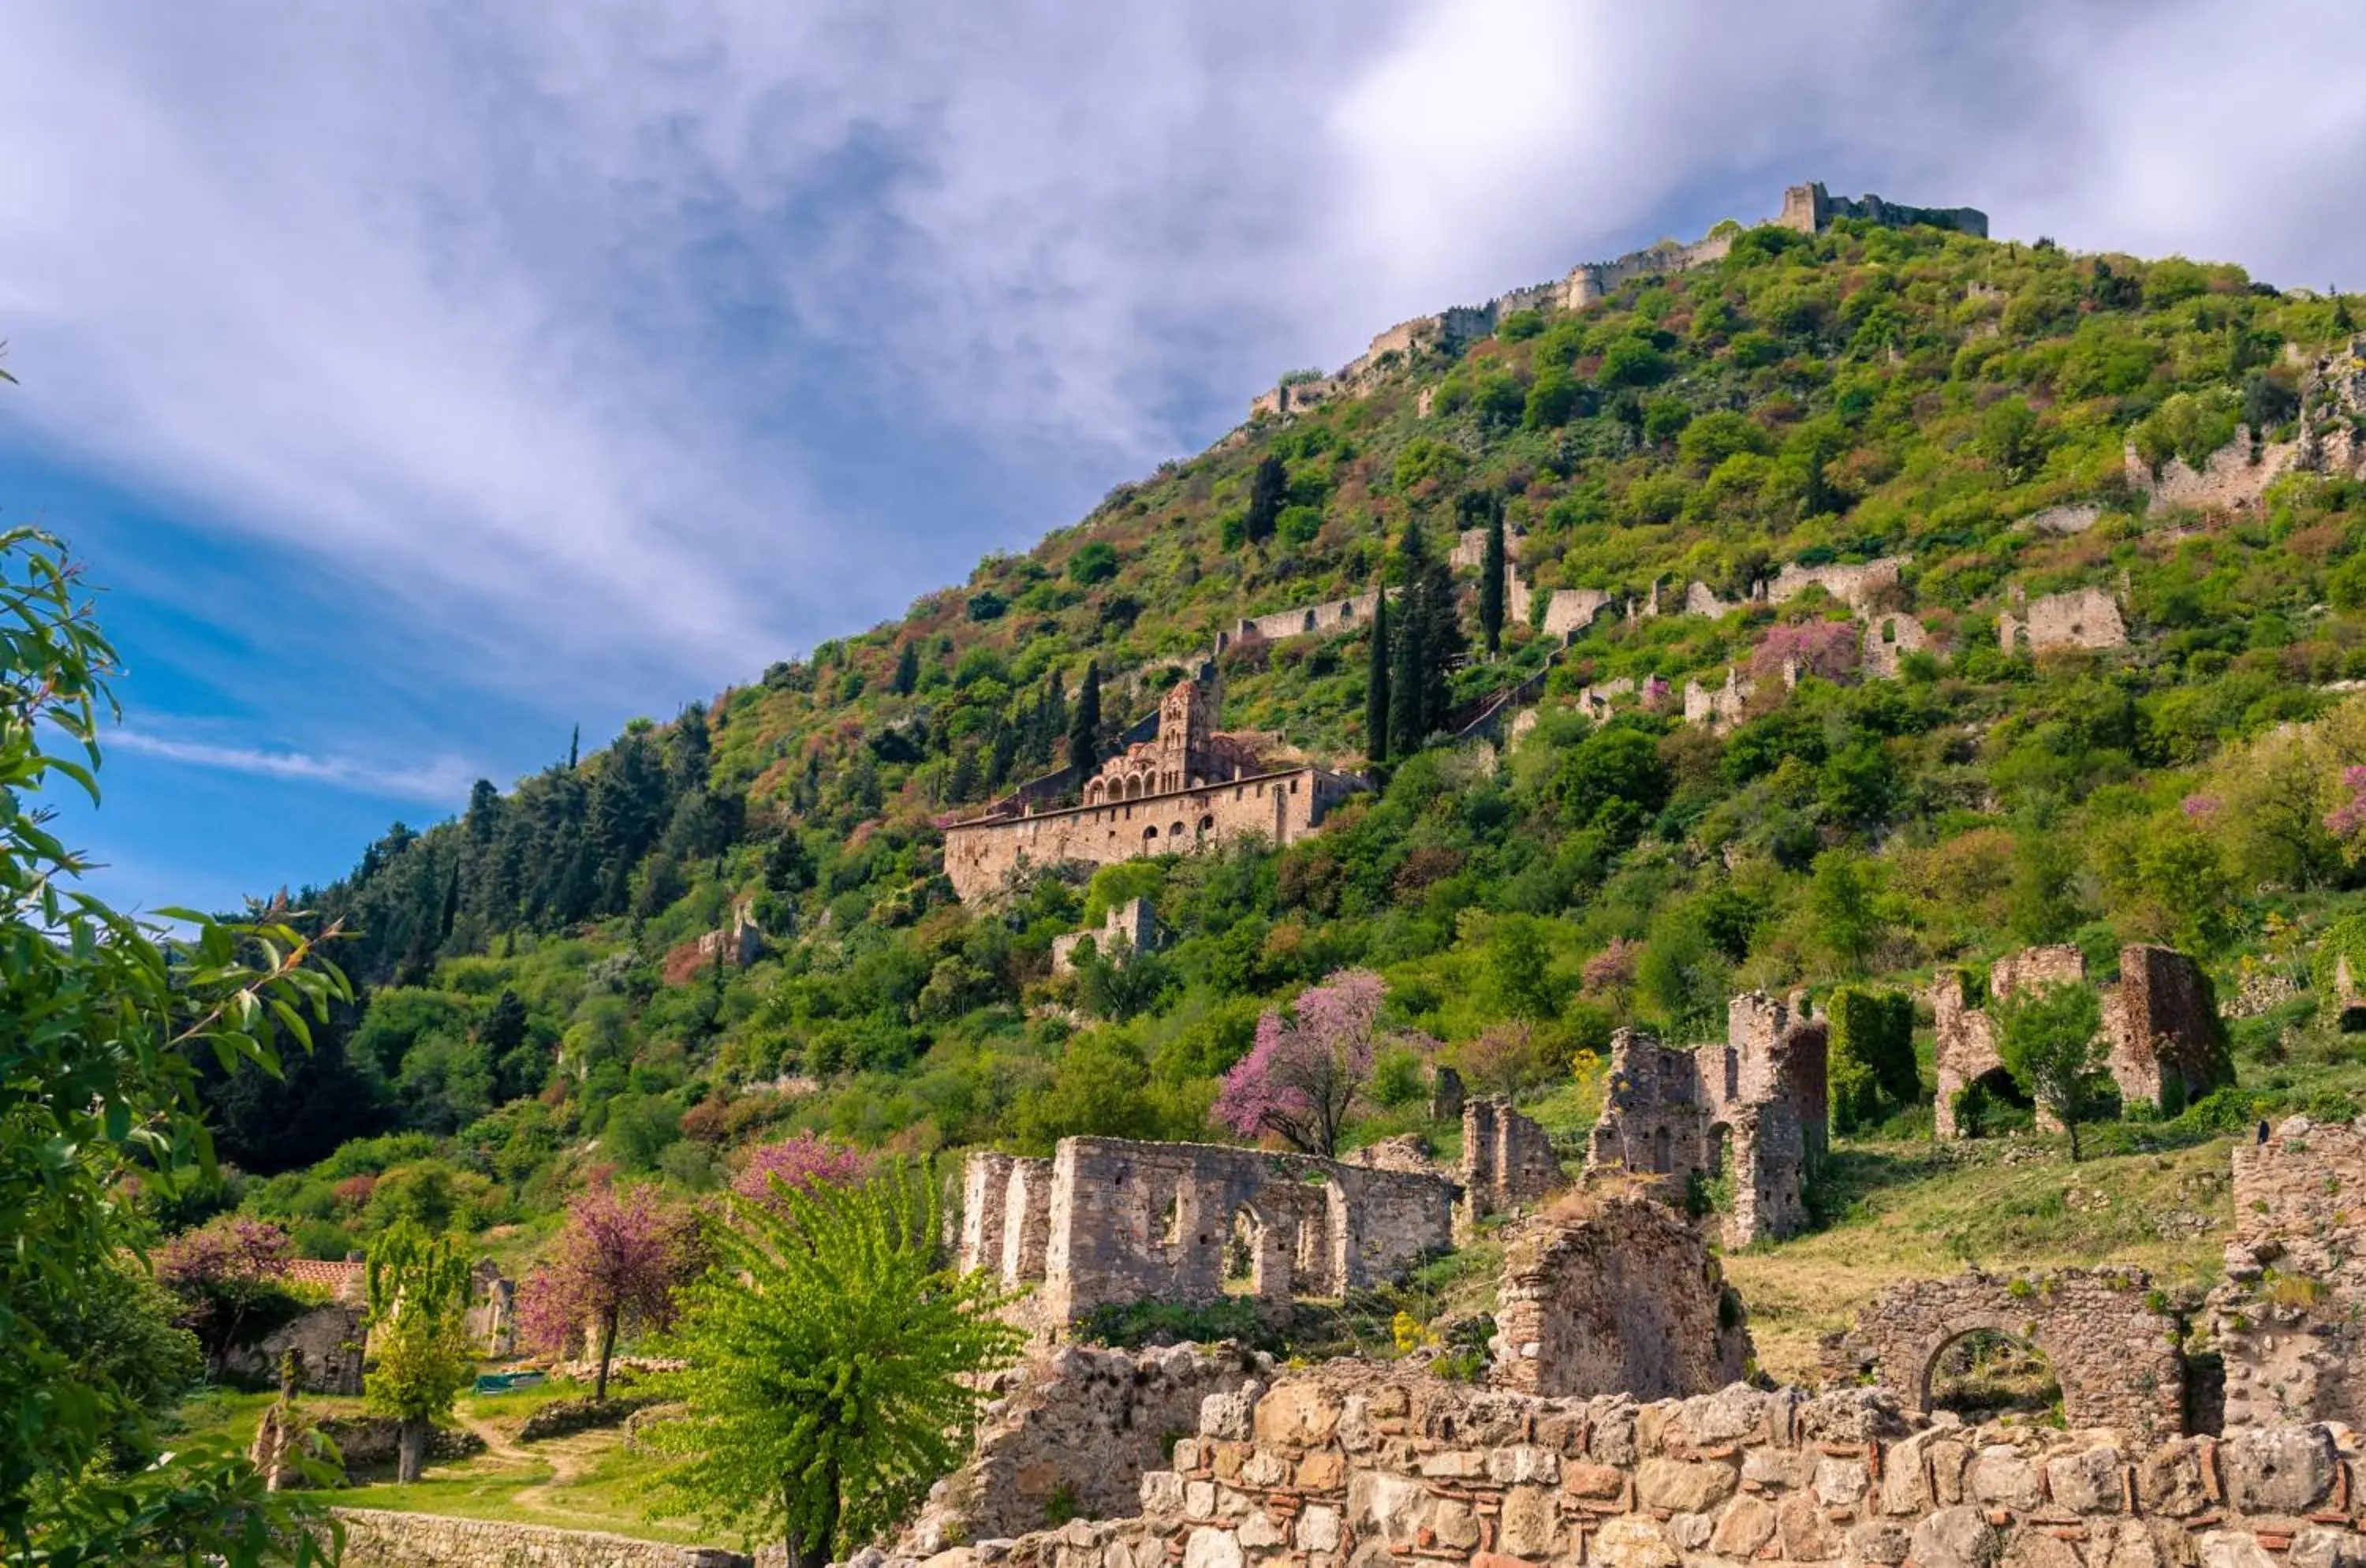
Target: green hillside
536, 1005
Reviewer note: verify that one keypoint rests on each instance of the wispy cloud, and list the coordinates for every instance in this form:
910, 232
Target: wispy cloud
441, 781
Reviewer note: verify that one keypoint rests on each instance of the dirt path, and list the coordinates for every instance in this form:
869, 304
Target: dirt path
566, 1466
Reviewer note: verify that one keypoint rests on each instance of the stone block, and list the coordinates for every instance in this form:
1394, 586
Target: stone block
1682, 1487
2233, 1549
1530, 1523
2088, 1482
2168, 1479
1880, 1540
1956, 1537
1208, 1547
1633, 1543
2281, 1470
1298, 1416
1806, 1534
1745, 1526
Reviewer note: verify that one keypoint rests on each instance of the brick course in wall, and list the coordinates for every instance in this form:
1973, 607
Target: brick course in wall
1354, 1466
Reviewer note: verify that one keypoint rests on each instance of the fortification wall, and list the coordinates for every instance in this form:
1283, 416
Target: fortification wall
1349, 1464
2088, 617
1854, 586
330, 1339
1280, 807
2291, 1320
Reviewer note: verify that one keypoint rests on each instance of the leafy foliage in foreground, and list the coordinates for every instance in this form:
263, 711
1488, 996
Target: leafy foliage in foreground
101, 1017
832, 1360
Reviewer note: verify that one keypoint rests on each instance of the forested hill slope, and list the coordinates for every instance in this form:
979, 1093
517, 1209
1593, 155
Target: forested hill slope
538, 1001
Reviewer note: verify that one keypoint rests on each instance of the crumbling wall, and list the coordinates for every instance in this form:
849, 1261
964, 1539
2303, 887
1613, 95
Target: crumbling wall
2165, 1045
1109, 1221
328, 1338
1077, 1429
2088, 617
2160, 1026
1718, 707
1751, 1116
1611, 1293
1811, 210
1133, 923
1569, 610
1889, 638
1853, 585
2291, 1319
1508, 1159
2227, 480
1351, 1464
2108, 1339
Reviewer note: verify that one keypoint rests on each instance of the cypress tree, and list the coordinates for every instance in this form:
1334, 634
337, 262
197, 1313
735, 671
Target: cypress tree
1085, 725
1442, 643
1376, 682
908, 671
1269, 486
1408, 725
1492, 572
575, 747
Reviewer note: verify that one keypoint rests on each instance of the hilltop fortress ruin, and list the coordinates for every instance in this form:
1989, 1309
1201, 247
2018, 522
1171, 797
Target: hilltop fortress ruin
1807, 209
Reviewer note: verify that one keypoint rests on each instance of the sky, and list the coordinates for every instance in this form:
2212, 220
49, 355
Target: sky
418, 381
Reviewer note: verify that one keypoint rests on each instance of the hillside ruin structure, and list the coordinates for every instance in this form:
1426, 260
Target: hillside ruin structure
2165, 1045
1185, 789
1751, 1114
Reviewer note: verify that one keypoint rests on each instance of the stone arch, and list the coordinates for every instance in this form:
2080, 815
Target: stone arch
1260, 1252
1310, 620
2110, 1342
1175, 830
1150, 833
1663, 1151
1208, 823
1347, 609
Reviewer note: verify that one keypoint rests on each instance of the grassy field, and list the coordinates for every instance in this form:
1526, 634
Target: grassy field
588, 1480
1911, 1210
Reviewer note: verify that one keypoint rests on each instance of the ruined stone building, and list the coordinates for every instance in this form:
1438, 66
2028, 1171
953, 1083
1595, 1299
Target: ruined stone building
1811, 210
1887, 639
1808, 208
1615, 1294
1751, 1110
1111, 1221
1185, 789
2165, 1045
1507, 1160
2088, 617
1856, 586
1130, 925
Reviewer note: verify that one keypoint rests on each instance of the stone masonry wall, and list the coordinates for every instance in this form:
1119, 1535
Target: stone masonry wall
1111, 1221
1612, 1293
329, 1339
375, 1539
2086, 618
2112, 1345
1077, 1426
1348, 1465
2291, 1320
1508, 1159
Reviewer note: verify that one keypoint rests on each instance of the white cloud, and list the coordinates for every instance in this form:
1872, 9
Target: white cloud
439, 781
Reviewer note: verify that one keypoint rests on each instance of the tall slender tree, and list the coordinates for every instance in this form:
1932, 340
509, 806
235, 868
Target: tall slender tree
1407, 722
1493, 571
1085, 725
1375, 682
1269, 488
908, 671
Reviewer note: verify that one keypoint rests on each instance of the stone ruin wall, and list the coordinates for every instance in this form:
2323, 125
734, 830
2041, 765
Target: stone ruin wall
1612, 1293
1754, 1109
1077, 1426
2088, 617
1280, 808
2158, 1024
1856, 586
1111, 1221
2108, 1339
1887, 639
1811, 210
328, 1338
1351, 1466
1508, 1159
2291, 1319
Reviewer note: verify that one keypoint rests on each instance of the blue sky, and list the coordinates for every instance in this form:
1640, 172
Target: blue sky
423, 380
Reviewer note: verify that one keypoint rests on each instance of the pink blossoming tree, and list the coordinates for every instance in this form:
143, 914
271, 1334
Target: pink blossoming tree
803, 1162
617, 1263
1827, 648
1303, 1076
231, 1278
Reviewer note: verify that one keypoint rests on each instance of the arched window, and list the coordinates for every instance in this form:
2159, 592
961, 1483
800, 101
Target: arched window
1150, 833
1310, 620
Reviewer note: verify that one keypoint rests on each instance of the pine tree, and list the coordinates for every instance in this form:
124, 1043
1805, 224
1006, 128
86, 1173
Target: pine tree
1491, 573
1375, 682
1269, 488
1085, 726
908, 671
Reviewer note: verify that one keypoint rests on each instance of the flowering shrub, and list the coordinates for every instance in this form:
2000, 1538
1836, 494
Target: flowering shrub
805, 1162
1828, 649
